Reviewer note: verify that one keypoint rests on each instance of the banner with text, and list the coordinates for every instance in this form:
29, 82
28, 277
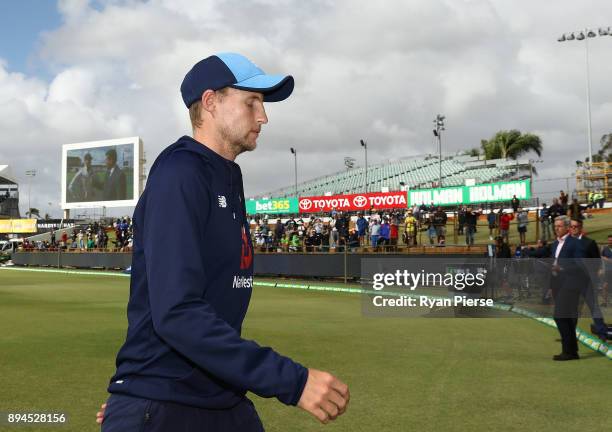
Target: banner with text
353, 202
272, 206
481, 193
17, 226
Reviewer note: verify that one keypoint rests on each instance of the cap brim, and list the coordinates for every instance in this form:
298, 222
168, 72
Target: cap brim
275, 88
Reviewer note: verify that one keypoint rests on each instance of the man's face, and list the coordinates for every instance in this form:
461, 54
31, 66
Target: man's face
610, 241
560, 228
109, 162
240, 115
575, 228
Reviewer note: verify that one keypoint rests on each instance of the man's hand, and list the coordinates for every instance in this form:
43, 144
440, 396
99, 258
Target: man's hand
324, 396
100, 414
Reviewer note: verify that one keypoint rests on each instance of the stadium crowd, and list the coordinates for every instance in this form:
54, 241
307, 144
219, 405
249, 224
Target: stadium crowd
91, 237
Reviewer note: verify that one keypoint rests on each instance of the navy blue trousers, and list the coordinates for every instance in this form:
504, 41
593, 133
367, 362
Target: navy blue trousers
132, 414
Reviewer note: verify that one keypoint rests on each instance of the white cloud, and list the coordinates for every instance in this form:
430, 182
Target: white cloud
374, 70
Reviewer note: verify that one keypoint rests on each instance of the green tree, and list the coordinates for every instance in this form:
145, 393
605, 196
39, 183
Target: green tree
511, 145
33, 212
604, 154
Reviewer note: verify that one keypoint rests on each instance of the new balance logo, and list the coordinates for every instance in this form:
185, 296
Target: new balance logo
222, 201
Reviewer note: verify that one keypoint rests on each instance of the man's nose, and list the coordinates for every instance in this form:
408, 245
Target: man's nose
262, 118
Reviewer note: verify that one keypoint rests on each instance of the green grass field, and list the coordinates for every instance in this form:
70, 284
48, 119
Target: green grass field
60, 334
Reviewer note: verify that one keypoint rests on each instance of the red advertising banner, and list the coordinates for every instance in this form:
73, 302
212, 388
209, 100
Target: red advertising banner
353, 202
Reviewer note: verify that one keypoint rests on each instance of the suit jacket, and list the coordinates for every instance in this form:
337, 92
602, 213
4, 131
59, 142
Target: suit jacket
591, 250
115, 185
567, 283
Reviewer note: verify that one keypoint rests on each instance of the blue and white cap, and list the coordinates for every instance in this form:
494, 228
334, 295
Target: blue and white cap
233, 70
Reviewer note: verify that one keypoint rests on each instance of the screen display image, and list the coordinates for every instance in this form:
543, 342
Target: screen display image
102, 173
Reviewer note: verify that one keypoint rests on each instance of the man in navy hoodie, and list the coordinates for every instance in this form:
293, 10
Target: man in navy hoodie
184, 365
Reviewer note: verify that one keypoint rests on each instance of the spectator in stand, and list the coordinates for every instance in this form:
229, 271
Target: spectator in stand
504, 224
515, 203
385, 231
90, 243
431, 229
416, 211
502, 250
334, 235
394, 231
374, 233
471, 219
410, 229
563, 198
64, 241
575, 211
354, 241
294, 243
461, 220
522, 219
554, 211
279, 230
599, 198
439, 221
590, 199
343, 227
362, 228
325, 237
542, 250
492, 221
81, 240
545, 233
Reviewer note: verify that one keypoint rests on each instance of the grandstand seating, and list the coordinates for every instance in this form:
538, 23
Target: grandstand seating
414, 173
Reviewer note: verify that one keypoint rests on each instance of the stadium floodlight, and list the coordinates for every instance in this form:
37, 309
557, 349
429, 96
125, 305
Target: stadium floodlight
30, 173
571, 36
591, 34
580, 36
349, 162
603, 32
561, 38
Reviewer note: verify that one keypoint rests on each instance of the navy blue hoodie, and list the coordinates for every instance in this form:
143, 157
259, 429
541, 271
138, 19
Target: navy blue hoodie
192, 275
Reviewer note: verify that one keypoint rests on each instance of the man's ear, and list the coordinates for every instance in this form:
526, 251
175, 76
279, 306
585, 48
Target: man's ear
209, 100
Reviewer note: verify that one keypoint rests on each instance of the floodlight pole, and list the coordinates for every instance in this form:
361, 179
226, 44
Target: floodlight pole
439, 123
365, 148
30, 173
585, 34
294, 151
588, 95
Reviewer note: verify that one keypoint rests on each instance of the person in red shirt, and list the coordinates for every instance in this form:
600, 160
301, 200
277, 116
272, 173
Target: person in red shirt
504, 224
394, 232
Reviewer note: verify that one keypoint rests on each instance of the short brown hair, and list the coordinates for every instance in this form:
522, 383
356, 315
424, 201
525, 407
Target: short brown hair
195, 110
195, 114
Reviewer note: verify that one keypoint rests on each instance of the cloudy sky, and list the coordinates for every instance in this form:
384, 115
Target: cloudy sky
79, 70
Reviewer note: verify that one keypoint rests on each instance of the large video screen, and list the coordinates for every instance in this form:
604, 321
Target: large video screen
101, 173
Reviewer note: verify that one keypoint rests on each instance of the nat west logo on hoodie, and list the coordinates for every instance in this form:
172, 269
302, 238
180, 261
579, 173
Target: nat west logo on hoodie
246, 258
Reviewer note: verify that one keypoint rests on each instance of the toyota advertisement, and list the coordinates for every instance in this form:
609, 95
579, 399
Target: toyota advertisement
354, 202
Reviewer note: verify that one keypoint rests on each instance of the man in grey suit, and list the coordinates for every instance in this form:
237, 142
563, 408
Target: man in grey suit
114, 183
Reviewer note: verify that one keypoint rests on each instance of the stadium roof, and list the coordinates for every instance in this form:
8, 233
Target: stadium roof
413, 173
6, 176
